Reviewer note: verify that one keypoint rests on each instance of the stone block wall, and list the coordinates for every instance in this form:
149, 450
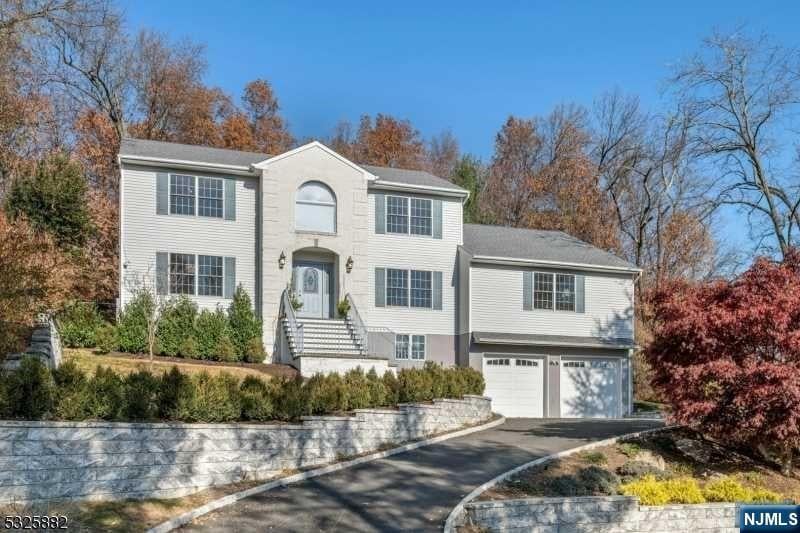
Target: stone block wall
46, 461
45, 344
606, 514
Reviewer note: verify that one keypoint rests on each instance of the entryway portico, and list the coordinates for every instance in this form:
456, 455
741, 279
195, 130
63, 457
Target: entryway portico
314, 282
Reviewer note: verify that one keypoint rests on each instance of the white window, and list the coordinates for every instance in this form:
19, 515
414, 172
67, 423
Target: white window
542, 290
401, 347
554, 291
397, 287
181, 273
209, 270
575, 364
209, 197
399, 293
565, 292
409, 215
181, 194
315, 208
418, 347
527, 362
409, 347
421, 217
498, 362
396, 214
421, 289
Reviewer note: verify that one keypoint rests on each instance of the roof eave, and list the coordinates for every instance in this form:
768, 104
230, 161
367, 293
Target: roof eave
516, 261
559, 344
407, 187
187, 165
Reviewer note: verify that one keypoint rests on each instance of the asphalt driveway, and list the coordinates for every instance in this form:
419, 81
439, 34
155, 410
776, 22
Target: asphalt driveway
412, 491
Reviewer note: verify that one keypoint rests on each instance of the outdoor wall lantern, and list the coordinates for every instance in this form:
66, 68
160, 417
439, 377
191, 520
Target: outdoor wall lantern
349, 264
282, 260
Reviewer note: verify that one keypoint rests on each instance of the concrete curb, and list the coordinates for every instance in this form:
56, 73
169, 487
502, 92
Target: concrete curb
188, 516
449, 525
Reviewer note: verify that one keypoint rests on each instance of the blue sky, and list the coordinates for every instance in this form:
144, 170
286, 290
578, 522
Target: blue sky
463, 66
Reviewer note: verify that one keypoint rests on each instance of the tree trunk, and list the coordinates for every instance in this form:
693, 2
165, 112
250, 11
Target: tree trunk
787, 460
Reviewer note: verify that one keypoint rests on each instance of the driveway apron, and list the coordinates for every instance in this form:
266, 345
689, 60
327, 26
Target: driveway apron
412, 491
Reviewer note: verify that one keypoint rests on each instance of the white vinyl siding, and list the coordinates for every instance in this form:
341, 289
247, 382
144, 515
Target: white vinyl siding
144, 233
420, 253
496, 305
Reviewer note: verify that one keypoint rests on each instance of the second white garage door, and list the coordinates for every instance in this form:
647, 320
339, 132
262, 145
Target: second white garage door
515, 385
590, 388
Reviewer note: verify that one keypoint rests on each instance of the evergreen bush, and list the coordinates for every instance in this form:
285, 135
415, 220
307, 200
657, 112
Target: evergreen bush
255, 351
211, 326
257, 401
132, 325
176, 324
210, 399
71, 383
78, 324
106, 339
359, 392
225, 350
141, 396
189, 348
243, 323
105, 394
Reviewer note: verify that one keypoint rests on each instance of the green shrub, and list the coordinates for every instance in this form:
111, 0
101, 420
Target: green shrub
377, 389
106, 339
255, 351
594, 458
632, 470
173, 386
651, 491
31, 390
211, 326
78, 324
392, 386
71, 383
132, 325
189, 348
256, 399
176, 324
291, 399
473, 380
629, 449
141, 396
210, 399
359, 393
727, 489
588, 481
105, 394
243, 322
327, 394
225, 350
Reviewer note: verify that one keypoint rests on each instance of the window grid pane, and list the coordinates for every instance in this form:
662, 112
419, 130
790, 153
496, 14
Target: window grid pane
418, 347
181, 273
181, 194
210, 275
396, 214
401, 347
542, 290
421, 219
421, 291
209, 197
565, 292
397, 287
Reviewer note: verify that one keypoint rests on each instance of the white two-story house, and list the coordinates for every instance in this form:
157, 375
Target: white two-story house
547, 318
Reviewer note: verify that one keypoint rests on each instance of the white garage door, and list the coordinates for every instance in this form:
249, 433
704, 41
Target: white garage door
590, 388
515, 385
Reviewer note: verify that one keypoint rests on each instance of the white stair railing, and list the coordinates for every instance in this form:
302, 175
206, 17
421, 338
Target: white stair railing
295, 327
359, 326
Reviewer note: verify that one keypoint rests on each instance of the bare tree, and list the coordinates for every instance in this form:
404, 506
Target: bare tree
659, 201
143, 286
741, 94
443, 154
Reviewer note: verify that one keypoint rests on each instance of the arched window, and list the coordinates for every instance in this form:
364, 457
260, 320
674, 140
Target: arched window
315, 208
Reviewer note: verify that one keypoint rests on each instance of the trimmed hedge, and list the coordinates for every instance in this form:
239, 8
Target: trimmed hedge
36, 393
183, 330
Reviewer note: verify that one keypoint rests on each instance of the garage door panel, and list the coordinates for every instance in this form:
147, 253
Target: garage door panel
590, 388
515, 385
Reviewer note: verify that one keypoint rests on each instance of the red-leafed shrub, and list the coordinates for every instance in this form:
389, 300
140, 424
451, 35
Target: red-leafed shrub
726, 356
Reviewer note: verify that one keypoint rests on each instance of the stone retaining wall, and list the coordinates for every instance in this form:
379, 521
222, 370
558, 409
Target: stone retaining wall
42, 461
606, 514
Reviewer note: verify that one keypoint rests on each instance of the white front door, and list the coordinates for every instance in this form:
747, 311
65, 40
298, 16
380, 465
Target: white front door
312, 285
515, 385
590, 388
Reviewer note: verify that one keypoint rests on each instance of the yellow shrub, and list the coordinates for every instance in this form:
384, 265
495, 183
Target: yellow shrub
653, 492
728, 489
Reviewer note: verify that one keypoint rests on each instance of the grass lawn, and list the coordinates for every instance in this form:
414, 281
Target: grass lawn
126, 516
677, 454
124, 363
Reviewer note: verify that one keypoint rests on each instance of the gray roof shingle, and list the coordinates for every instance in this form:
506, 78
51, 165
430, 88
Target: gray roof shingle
220, 156
189, 152
537, 245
